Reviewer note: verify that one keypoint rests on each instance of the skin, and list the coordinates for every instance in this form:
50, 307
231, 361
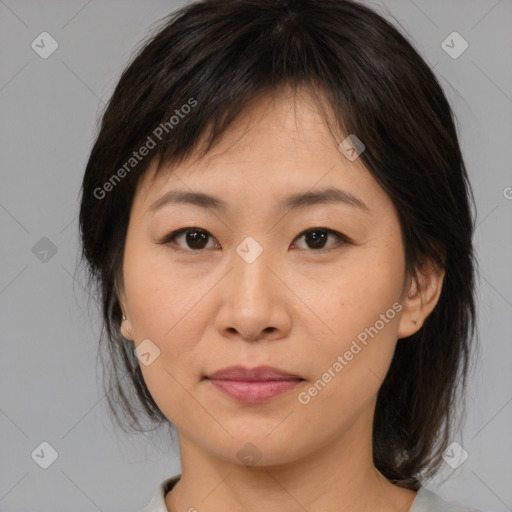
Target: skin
295, 307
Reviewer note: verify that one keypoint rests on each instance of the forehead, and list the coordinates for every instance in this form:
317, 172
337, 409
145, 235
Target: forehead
279, 142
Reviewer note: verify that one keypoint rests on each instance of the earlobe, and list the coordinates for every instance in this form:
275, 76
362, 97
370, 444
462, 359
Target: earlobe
423, 294
125, 327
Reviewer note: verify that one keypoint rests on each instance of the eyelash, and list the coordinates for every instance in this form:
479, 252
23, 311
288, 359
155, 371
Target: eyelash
169, 239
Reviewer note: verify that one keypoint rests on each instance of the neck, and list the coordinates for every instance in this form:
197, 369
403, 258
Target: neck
338, 476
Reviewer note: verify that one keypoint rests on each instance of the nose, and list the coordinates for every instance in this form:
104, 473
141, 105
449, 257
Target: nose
255, 304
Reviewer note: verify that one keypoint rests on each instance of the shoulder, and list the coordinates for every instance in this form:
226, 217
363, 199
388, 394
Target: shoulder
429, 501
157, 503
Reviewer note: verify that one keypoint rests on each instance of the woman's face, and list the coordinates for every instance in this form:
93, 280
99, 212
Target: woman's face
245, 287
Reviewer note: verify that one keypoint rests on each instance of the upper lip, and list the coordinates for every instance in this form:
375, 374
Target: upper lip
259, 373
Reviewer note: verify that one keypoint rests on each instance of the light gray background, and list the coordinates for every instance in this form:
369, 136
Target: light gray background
48, 382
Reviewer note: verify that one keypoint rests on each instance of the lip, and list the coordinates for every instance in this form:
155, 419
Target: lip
259, 373
253, 385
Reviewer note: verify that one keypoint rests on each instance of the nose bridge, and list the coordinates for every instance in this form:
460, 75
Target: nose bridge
252, 300
250, 273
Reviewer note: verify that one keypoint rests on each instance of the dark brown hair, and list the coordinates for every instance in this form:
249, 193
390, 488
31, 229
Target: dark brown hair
217, 56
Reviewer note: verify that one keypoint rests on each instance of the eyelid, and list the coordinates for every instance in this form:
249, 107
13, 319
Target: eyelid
341, 239
320, 228
169, 238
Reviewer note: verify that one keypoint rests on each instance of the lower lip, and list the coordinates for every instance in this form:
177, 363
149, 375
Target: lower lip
256, 392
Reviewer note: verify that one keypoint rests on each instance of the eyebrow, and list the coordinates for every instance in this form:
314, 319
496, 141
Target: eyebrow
291, 202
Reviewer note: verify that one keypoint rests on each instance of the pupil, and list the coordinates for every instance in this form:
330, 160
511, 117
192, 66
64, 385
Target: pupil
318, 238
196, 239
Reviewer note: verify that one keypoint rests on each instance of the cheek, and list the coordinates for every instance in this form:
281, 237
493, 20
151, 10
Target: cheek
171, 312
169, 391
161, 303
360, 305
349, 371
354, 294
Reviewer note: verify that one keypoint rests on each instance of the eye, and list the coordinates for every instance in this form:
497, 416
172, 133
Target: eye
316, 238
197, 239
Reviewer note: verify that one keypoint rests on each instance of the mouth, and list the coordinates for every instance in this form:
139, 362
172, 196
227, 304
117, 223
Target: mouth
253, 386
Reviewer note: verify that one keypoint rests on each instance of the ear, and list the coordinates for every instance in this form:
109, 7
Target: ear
126, 325
421, 295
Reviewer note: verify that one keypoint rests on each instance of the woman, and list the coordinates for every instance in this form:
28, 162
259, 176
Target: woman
277, 215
